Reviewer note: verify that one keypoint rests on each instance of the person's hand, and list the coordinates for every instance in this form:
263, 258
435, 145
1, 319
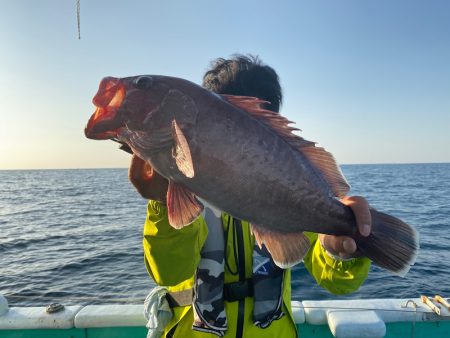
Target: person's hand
344, 246
147, 181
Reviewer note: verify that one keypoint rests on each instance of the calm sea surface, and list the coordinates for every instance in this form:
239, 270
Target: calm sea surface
74, 236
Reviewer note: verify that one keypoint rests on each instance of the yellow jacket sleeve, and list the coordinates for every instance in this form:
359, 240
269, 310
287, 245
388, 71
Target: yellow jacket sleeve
338, 277
171, 255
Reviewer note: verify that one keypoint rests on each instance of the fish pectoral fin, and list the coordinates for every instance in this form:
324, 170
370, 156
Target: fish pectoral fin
182, 205
181, 152
286, 248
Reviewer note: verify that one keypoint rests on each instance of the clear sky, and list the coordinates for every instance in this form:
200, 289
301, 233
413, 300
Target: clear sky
368, 80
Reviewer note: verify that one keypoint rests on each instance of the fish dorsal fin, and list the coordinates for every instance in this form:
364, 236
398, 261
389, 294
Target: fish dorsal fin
322, 161
275, 121
182, 206
181, 152
328, 168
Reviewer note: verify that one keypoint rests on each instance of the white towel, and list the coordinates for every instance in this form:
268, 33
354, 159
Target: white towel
157, 311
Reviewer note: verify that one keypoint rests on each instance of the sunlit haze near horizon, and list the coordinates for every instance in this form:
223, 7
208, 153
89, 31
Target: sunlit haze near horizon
367, 80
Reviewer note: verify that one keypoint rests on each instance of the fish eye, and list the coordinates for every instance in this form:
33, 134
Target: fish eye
143, 82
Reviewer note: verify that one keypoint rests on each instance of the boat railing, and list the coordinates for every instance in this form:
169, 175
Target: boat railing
338, 318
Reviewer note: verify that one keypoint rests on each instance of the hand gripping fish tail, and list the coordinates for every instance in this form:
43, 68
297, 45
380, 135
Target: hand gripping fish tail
244, 160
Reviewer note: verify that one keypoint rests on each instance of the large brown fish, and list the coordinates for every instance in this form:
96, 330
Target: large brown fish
245, 160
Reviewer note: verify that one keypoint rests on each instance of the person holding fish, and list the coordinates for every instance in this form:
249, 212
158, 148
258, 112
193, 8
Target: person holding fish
220, 280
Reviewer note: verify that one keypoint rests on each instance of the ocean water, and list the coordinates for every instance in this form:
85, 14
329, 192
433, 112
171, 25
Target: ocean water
74, 236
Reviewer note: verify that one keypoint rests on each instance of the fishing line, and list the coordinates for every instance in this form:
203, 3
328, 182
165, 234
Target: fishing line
78, 19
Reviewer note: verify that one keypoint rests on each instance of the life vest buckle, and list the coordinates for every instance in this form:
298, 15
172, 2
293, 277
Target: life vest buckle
233, 292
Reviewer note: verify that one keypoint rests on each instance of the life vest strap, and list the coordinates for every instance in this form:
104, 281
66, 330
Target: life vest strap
232, 292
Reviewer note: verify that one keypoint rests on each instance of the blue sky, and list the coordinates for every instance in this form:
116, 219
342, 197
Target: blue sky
368, 80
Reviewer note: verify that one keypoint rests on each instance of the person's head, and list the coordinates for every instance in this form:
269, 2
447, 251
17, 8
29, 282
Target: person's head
246, 76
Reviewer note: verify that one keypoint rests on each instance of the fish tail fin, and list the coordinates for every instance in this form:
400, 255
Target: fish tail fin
392, 244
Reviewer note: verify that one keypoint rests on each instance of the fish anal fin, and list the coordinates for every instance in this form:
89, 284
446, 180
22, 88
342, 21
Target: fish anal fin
286, 248
181, 151
182, 205
322, 161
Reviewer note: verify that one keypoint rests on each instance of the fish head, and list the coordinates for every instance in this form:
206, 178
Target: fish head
124, 103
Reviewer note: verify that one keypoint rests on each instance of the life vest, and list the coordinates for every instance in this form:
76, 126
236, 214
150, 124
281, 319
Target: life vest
210, 293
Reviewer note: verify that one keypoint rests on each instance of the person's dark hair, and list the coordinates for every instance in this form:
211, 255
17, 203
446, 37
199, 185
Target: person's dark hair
247, 76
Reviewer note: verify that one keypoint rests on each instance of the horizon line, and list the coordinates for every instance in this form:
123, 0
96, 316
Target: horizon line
104, 168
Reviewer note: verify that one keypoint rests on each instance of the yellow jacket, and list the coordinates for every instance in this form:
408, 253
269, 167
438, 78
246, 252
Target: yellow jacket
171, 257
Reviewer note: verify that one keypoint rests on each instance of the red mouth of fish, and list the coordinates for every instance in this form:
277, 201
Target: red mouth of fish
105, 122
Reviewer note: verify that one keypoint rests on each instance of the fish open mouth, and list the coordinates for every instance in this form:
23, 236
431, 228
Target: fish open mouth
105, 122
